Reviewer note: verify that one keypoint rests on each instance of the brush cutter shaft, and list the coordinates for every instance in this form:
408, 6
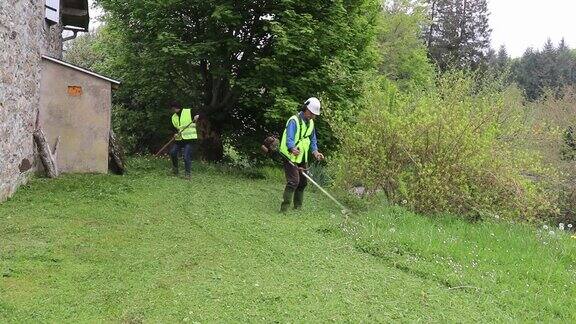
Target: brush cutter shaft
164, 147
269, 147
323, 191
173, 139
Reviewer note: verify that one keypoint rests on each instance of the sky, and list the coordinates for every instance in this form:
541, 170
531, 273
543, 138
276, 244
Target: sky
518, 24
94, 14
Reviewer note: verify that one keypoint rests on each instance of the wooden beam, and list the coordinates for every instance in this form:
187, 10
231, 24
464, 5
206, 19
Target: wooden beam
74, 12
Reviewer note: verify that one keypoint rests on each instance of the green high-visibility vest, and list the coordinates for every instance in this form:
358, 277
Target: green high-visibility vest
301, 138
184, 120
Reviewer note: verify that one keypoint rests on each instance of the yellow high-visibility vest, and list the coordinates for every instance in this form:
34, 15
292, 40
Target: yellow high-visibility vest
181, 122
301, 138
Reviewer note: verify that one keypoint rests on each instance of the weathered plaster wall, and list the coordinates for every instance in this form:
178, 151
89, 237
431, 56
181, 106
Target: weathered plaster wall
24, 37
76, 106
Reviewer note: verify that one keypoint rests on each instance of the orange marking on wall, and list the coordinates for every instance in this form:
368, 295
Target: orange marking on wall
74, 91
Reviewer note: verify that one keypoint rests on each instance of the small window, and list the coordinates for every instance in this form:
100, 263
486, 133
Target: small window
53, 11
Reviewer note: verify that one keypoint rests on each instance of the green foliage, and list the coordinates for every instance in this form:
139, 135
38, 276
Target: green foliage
136, 128
86, 51
568, 152
97, 248
404, 57
320, 174
245, 65
457, 148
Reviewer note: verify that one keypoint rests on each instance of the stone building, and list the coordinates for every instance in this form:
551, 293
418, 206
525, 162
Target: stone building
29, 29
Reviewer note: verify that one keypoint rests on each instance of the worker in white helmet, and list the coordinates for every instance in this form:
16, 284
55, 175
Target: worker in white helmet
298, 140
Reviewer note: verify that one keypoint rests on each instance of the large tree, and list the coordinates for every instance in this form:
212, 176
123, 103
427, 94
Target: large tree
459, 34
244, 65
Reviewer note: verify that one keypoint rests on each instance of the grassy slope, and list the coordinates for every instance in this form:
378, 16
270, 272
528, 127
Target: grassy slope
133, 249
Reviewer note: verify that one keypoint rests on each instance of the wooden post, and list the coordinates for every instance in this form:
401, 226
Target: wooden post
47, 156
116, 155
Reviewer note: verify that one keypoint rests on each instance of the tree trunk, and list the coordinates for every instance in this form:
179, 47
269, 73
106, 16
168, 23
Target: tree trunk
218, 99
431, 28
210, 146
47, 157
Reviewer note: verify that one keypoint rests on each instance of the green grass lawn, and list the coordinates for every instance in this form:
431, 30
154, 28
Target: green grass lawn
148, 247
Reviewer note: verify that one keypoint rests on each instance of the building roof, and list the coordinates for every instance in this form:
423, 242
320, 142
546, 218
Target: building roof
77, 68
75, 13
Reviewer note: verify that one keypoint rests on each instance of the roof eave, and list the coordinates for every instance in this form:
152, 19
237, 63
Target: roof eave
115, 83
76, 13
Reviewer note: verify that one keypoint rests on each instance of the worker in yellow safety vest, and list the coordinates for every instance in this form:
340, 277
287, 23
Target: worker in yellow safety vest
298, 140
186, 133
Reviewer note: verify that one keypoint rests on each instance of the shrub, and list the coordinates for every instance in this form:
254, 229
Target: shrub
554, 135
318, 172
459, 148
138, 129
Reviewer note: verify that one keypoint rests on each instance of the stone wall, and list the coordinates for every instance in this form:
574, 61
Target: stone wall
24, 38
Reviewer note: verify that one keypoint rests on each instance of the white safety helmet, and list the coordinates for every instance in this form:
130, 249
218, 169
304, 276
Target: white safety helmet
313, 104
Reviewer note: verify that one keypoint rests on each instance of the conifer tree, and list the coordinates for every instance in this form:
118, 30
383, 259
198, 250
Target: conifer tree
459, 33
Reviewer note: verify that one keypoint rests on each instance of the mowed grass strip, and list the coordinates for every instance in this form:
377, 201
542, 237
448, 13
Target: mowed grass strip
151, 247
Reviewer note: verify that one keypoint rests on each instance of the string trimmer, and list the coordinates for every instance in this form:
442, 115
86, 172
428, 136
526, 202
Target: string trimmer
173, 139
271, 145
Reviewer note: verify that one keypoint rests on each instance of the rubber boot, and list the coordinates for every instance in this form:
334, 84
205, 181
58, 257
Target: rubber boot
187, 176
287, 199
298, 199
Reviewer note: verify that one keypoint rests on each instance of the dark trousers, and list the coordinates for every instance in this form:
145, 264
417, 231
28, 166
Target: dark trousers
177, 147
295, 184
294, 178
